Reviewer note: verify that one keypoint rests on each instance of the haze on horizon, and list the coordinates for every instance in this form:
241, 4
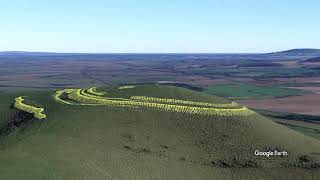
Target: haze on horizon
176, 26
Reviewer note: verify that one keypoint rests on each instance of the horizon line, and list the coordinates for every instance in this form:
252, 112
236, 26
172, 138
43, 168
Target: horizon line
57, 52
53, 52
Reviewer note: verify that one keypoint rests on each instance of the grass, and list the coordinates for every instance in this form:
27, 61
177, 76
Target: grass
312, 132
306, 124
163, 91
251, 91
99, 142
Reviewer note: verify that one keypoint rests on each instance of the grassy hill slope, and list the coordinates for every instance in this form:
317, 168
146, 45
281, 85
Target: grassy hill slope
101, 142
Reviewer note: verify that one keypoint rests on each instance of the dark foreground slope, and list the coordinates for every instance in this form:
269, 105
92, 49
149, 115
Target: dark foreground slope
100, 142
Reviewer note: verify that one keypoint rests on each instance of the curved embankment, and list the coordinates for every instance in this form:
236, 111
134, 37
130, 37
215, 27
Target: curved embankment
125, 87
37, 112
93, 91
92, 97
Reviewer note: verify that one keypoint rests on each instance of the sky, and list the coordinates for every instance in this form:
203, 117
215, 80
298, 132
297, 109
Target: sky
159, 26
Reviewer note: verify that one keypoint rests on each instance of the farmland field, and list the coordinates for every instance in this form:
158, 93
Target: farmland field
251, 91
304, 104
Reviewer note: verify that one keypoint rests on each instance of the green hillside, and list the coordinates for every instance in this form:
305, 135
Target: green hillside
161, 132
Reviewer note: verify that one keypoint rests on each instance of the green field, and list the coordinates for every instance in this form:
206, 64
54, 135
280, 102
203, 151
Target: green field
106, 142
251, 91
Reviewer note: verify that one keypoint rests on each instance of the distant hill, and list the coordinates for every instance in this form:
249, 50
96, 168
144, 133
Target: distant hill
317, 59
298, 52
17, 53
